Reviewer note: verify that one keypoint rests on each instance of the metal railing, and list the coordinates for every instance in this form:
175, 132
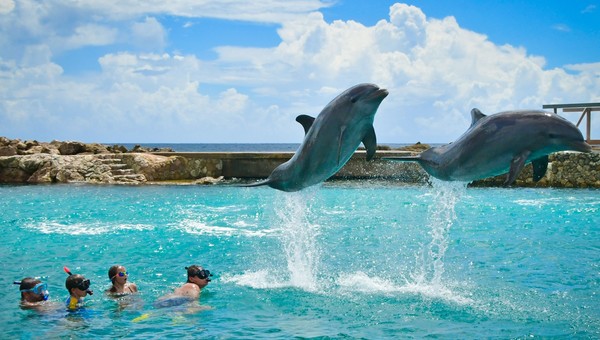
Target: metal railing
586, 111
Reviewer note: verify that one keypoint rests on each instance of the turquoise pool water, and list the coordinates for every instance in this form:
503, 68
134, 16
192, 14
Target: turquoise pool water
345, 260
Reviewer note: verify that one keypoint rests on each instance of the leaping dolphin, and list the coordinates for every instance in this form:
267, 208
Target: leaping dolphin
331, 139
500, 143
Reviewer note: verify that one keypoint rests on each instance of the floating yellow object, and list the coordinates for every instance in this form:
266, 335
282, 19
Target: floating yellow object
141, 317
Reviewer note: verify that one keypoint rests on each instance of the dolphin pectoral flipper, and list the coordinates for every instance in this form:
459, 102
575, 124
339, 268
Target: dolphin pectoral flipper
540, 166
516, 165
370, 143
340, 144
306, 121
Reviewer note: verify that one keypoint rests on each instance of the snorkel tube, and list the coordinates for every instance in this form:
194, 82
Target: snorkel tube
66, 269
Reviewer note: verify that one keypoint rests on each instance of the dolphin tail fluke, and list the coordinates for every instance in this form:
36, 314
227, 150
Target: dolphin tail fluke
256, 184
404, 159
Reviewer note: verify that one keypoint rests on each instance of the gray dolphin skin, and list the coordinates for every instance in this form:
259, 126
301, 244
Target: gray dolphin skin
331, 139
500, 143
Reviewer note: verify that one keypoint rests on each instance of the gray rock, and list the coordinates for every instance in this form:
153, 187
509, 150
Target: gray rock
8, 150
71, 148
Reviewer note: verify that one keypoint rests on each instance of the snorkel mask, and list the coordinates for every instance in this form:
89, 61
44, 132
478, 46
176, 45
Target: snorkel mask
202, 274
40, 289
83, 285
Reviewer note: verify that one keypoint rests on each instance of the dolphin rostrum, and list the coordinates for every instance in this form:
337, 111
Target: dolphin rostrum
500, 143
331, 139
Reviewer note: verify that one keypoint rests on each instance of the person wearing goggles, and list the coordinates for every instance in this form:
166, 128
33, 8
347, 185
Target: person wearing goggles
118, 275
78, 287
33, 292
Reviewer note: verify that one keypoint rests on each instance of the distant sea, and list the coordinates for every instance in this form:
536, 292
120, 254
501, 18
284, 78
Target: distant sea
228, 147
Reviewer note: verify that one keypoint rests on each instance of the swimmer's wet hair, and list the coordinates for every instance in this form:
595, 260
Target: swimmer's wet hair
27, 283
192, 270
73, 281
112, 272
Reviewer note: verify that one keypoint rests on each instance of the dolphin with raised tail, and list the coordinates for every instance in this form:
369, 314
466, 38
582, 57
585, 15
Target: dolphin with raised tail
331, 139
500, 143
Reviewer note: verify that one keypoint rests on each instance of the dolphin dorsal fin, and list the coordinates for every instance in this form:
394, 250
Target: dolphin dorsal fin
306, 121
476, 115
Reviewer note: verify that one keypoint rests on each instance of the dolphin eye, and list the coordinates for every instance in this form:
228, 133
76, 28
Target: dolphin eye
552, 136
353, 99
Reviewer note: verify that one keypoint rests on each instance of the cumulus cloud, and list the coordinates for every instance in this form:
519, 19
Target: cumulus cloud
6, 6
149, 34
435, 70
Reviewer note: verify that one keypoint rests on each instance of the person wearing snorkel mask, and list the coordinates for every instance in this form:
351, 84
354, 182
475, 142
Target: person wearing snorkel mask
78, 287
33, 292
197, 278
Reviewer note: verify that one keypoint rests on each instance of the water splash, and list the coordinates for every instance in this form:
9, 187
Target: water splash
441, 217
299, 238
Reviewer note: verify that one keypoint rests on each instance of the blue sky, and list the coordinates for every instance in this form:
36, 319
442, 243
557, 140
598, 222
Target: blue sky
236, 71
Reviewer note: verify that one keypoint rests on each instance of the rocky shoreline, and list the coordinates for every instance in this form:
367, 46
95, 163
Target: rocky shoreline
75, 162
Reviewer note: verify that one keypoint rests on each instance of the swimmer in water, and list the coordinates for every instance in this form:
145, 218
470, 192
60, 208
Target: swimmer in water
33, 292
118, 275
78, 287
197, 279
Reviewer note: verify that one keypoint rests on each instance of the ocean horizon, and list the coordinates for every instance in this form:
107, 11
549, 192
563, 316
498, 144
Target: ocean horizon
234, 147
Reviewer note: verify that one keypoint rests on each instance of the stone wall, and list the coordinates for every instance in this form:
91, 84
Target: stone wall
50, 168
172, 168
565, 170
570, 170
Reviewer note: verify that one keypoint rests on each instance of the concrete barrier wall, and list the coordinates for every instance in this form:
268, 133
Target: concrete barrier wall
261, 164
566, 169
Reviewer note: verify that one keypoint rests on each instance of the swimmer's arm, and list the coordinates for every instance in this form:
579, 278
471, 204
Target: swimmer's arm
133, 288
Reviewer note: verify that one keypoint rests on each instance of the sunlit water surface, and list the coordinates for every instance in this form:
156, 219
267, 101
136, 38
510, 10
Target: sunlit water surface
347, 259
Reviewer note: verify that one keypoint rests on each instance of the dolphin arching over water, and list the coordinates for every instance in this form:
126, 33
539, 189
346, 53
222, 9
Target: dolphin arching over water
500, 143
331, 139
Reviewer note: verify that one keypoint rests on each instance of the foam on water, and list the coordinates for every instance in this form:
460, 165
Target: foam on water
261, 279
201, 228
363, 283
97, 228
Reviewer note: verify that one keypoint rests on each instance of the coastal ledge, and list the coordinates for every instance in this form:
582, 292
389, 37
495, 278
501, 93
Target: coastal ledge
566, 169
75, 162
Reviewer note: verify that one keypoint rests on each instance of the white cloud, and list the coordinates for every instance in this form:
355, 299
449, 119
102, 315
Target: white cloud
435, 71
91, 35
562, 27
589, 9
6, 6
149, 35
271, 11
